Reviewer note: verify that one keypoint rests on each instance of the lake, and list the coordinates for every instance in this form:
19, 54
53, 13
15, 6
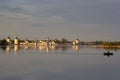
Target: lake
58, 63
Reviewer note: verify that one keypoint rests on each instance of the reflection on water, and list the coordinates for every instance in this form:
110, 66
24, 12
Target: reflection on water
52, 48
64, 62
16, 48
76, 48
8, 49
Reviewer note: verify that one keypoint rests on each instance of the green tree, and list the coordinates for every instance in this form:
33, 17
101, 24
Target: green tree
63, 40
3, 42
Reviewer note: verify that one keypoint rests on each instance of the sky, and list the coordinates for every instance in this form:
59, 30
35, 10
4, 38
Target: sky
87, 20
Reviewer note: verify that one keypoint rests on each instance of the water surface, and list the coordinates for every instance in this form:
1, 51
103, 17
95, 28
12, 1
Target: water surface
58, 63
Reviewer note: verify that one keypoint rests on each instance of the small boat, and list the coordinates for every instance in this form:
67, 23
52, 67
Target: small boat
108, 54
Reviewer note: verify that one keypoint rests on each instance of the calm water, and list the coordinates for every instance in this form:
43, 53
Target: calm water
58, 63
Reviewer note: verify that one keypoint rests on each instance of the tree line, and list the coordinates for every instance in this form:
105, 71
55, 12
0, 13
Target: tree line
107, 43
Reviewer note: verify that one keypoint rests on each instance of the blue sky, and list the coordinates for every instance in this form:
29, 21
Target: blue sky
86, 19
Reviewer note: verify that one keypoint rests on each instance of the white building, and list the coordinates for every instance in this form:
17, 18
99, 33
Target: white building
46, 42
26, 41
16, 41
52, 43
8, 40
43, 43
76, 42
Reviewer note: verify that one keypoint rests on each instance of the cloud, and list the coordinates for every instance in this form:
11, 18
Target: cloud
81, 11
71, 17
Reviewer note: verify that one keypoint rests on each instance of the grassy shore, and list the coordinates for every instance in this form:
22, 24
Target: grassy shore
102, 46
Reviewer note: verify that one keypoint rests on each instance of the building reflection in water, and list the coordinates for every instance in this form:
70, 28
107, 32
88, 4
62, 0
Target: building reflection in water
8, 48
25, 47
16, 49
53, 47
47, 49
44, 48
76, 47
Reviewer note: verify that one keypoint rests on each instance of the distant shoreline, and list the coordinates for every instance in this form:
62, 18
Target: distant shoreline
101, 46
